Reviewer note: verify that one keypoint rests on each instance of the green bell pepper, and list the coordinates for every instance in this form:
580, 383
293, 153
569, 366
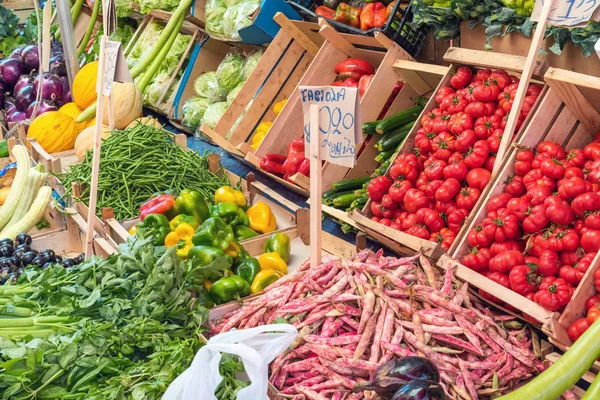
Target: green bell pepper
204, 255
243, 232
242, 218
247, 267
214, 232
279, 243
191, 220
158, 226
230, 213
191, 202
227, 288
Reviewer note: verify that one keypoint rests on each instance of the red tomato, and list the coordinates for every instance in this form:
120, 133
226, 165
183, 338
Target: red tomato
528, 104
398, 190
477, 259
538, 159
592, 151
573, 187
535, 178
515, 186
553, 168
523, 162
500, 247
592, 220
430, 218
563, 240
455, 158
487, 91
506, 99
478, 178
590, 240
445, 237
577, 328
501, 225
495, 139
456, 218
376, 209
434, 169
456, 170
575, 158
378, 187
558, 210
460, 122
418, 231
498, 201
385, 221
536, 220
461, 77
485, 126
454, 103
524, 279
570, 274
432, 187
534, 89
490, 163
428, 119
388, 203
415, 199
501, 78
570, 257
447, 190
423, 140
586, 202
518, 206
477, 238
409, 221
554, 293
477, 155
501, 279
506, 261
551, 149
538, 194
440, 124
476, 109
465, 140
404, 171
548, 263
483, 74
467, 198
574, 172
442, 93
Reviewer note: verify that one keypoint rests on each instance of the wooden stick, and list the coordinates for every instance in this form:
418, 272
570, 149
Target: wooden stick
513, 117
315, 187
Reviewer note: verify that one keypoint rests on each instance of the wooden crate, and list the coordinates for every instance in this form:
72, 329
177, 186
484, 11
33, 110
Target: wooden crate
569, 114
284, 63
165, 101
413, 76
289, 124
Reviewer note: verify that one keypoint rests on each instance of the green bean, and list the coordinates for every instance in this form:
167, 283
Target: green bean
134, 164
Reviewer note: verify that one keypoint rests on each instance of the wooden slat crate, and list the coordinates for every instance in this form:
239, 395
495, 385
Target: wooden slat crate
569, 114
418, 78
288, 125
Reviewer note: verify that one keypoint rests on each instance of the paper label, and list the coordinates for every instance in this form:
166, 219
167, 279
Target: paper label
569, 13
115, 66
340, 131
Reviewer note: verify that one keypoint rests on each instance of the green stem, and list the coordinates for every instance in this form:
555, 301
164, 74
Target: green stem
90, 28
593, 391
41, 333
16, 311
76, 11
32, 321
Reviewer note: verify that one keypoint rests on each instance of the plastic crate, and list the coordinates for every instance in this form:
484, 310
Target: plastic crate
398, 27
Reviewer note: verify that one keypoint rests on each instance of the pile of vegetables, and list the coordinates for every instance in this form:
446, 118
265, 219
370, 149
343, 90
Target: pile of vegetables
366, 17
263, 128
225, 18
216, 90
16, 255
355, 315
9, 31
540, 235
124, 327
429, 193
138, 162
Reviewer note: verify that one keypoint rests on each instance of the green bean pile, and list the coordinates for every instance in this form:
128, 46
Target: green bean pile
136, 163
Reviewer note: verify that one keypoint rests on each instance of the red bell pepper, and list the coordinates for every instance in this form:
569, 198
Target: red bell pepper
325, 12
346, 14
353, 68
363, 84
158, 205
373, 15
350, 82
273, 163
296, 162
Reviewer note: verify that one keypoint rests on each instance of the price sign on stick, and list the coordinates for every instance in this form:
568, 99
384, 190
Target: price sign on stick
570, 13
331, 133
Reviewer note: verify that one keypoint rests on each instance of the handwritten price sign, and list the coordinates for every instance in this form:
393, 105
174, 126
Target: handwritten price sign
339, 129
569, 13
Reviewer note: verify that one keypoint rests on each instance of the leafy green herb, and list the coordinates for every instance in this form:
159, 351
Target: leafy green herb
229, 368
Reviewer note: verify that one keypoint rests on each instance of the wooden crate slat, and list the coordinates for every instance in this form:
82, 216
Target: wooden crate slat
298, 34
486, 59
562, 127
576, 101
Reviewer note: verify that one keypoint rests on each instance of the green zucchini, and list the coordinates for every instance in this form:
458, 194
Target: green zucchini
384, 155
368, 128
393, 140
4, 149
344, 200
360, 192
397, 120
350, 184
383, 167
329, 194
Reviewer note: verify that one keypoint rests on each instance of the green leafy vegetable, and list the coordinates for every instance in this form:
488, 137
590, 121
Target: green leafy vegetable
214, 113
229, 387
193, 111
230, 71
207, 85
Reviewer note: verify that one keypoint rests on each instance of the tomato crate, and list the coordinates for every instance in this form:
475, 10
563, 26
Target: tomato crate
289, 124
569, 115
418, 77
284, 62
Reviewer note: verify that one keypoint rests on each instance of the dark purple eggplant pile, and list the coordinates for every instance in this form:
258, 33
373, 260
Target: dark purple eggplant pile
407, 378
20, 83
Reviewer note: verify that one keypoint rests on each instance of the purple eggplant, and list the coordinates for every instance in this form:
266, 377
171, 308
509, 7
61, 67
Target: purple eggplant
24, 80
44, 107
10, 71
17, 116
16, 53
420, 390
24, 98
31, 57
51, 86
58, 66
66, 97
394, 374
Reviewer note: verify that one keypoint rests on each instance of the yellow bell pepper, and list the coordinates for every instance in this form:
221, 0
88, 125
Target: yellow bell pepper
261, 218
234, 250
182, 238
231, 195
133, 230
264, 279
272, 261
277, 107
259, 134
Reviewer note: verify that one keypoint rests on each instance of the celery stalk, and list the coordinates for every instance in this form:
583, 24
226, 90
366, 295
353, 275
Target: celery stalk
90, 28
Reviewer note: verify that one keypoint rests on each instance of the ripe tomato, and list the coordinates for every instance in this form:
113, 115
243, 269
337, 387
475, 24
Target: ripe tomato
485, 126
440, 124
553, 168
477, 259
447, 190
432, 187
592, 220
410, 220
456, 170
467, 198
460, 122
487, 91
577, 328
490, 163
476, 109
536, 220
465, 140
445, 237
593, 314
586, 202
500, 247
501, 225
442, 93
523, 162
483, 74
501, 78
430, 218
398, 190
558, 211
570, 274
404, 171
519, 206
428, 119
592, 301
477, 155
570, 257
575, 158
548, 263
495, 139
506, 261
418, 231
376, 209
454, 103
477, 238
524, 279
378, 187
538, 194
501, 279
478, 178
574, 172
461, 77
573, 187
590, 240
456, 218
498, 201
534, 89
514, 186
528, 104
423, 140
506, 99
445, 208
554, 293
551, 149
563, 240
538, 159
415, 199
592, 151
434, 168
536, 178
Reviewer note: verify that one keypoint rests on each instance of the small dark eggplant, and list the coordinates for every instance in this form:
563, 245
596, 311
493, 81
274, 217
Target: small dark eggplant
68, 262
58, 259
394, 374
420, 390
46, 265
49, 255
80, 258
23, 247
12, 278
39, 260
14, 262
23, 238
6, 250
7, 241
28, 257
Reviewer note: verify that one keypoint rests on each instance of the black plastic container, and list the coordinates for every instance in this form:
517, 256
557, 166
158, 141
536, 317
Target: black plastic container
398, 27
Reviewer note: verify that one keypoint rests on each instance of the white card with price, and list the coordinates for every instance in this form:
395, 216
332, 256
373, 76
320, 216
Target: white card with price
339, 122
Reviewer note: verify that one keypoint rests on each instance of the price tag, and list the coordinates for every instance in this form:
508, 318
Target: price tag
340, 131
115, 66
569, 13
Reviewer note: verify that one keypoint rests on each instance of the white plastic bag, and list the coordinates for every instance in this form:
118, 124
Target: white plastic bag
256, 347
